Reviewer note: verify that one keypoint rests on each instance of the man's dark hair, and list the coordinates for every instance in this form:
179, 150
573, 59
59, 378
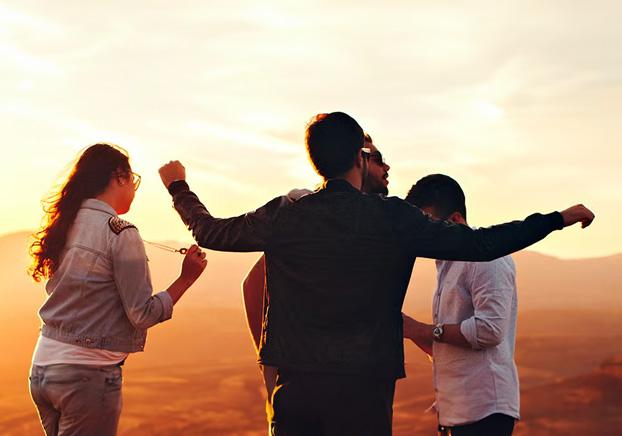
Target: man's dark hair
439, 191
333, 141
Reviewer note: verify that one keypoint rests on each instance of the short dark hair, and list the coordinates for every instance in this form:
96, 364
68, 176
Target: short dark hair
439, 191
333, 141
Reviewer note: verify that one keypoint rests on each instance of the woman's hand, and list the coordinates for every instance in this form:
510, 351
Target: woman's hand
193, 265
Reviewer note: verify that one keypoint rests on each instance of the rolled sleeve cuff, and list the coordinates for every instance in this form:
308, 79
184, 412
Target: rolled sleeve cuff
167, 305
178, 186
557, 220
468, 328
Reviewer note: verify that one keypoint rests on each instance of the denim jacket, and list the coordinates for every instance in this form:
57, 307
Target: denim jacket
100, 296
338, 263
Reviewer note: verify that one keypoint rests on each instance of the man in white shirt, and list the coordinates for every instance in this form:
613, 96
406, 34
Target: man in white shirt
473, 335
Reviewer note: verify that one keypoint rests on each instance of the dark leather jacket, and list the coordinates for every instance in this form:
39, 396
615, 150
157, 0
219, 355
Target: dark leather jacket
338, 263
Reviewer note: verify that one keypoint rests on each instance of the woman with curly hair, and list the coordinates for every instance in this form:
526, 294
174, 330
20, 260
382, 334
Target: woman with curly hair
100, 301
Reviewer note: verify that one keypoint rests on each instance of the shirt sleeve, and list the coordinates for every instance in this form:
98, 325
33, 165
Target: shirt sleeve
245, 233
493, 288
133, 281
424, 236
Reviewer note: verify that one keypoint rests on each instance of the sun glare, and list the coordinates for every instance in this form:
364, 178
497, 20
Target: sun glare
488, 111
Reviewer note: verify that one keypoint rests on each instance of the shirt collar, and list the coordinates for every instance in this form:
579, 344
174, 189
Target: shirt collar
95, 204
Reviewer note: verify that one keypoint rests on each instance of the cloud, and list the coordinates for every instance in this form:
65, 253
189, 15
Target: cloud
513, 92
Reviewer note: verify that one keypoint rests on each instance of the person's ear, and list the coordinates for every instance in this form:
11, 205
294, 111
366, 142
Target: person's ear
118, 180
456, 217
360, 157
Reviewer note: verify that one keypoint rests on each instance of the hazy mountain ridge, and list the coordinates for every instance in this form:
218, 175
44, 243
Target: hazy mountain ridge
544, 282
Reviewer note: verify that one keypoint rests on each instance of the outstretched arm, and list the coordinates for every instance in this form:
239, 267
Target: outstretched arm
248, 232
425, 237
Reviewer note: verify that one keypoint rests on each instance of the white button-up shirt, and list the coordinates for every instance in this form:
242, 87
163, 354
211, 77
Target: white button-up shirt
471, 384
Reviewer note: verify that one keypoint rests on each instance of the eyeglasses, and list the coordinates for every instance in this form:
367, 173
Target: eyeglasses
376, 155
136, 180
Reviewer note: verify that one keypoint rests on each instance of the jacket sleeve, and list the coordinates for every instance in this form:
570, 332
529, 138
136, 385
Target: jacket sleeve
493, 289
424, 236
133, 281
244, 233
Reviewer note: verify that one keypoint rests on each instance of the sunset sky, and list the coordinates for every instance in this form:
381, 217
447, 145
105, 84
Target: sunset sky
520, 101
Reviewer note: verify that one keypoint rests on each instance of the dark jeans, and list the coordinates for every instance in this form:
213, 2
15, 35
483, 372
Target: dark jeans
307, 404
496, 424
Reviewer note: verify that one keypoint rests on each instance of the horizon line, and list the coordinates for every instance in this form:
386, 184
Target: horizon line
538, 252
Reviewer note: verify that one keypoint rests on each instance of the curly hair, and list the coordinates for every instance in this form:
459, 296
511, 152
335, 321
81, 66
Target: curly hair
88, 178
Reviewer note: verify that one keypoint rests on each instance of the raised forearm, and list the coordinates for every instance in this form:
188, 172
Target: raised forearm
244, 233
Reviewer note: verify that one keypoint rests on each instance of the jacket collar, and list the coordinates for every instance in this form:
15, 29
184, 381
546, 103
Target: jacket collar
95, 204
339, 185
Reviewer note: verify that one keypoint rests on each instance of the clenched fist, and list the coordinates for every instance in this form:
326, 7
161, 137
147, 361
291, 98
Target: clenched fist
576, 214
172, 172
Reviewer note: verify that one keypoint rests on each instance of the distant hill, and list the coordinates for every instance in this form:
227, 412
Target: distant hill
544, 282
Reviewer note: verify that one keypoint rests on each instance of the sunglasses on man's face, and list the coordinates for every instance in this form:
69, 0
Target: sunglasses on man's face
376, 156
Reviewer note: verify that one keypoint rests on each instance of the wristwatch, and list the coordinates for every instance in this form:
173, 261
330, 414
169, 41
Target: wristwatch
437, 333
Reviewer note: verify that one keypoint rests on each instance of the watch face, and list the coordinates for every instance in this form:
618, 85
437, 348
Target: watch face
437, 332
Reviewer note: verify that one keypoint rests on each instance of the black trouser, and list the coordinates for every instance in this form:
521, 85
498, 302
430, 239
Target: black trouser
496, 424
326, 405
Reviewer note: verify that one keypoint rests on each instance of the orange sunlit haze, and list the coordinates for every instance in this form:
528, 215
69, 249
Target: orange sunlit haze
519, 101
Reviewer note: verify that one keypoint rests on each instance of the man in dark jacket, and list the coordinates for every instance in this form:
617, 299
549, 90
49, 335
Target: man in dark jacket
255, 292
338, 262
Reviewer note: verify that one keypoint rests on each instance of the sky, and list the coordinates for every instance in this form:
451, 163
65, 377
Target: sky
520, 101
